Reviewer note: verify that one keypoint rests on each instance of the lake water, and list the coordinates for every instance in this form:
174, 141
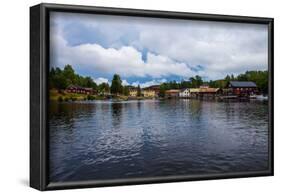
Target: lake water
110, 140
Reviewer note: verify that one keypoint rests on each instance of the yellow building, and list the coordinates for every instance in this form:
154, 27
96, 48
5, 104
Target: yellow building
148, 93
133, 92
194, 90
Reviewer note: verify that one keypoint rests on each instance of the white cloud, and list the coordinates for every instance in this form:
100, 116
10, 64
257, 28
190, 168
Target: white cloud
126, 61
149, 83
220, 48
125, 83
101, 80
175, 47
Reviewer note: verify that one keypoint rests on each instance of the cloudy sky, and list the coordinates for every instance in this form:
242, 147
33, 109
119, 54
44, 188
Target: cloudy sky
149, 51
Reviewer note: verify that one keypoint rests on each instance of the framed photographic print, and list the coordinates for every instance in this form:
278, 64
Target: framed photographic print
124, 96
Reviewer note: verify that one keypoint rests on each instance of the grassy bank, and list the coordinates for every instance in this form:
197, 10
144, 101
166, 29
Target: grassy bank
55, 95
61, 96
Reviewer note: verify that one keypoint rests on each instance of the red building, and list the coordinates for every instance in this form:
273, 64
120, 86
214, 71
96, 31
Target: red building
174, 93
242, 88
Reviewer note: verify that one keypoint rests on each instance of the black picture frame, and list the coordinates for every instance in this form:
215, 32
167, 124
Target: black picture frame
39, 65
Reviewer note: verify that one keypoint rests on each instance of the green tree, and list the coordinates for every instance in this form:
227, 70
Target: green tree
139, 91
196, 81
126, 91
57, 79
61, 79
227, 78
69, 74
104, 88
162, 90
116, 85
88, 82
259, 77
185, 84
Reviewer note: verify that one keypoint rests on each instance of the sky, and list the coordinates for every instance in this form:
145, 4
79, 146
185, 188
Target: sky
149, 51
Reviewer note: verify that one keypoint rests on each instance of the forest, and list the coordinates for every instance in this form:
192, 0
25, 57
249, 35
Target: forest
60, 79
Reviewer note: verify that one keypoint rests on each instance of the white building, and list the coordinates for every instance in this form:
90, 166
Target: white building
184, 93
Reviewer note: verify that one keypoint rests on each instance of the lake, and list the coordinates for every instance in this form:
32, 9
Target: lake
100, 140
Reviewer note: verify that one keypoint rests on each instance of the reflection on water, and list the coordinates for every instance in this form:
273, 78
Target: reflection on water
109, 140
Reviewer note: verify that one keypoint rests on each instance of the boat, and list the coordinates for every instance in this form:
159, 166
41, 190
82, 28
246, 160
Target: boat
262, 97
253, 96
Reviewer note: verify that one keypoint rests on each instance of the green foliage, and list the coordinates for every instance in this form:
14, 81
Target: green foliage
193, 82
90, 97
217, 83
103, 88
69, 74
116, 85
259, 77
89, 83
57, 79
126, 91
61, 79
73, 98
138, 91
60, 99
162, 91
196, 81
185, 84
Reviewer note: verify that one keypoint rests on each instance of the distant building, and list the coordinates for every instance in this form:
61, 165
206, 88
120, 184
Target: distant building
204, 92
242, 88
155, 88
148, 93
80, 90
172, 93
151, 91
184, 93
133, 92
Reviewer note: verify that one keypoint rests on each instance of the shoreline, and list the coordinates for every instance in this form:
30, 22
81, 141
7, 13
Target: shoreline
72, 97
159, 99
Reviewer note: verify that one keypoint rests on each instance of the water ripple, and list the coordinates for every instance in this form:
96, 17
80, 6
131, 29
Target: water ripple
108, 140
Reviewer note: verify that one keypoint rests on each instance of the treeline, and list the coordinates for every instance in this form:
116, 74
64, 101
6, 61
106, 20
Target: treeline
117, 88
60, 79
193, 82
259, 77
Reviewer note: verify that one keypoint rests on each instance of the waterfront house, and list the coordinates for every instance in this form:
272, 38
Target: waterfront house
151, 91
242, 88
174, 93
184, 93
148, 93
204, 92
133, 92
155, 88
79, 90
210, 92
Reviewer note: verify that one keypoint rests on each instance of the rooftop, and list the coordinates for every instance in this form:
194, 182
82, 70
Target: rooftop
204, 90
172, 91
241, 84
